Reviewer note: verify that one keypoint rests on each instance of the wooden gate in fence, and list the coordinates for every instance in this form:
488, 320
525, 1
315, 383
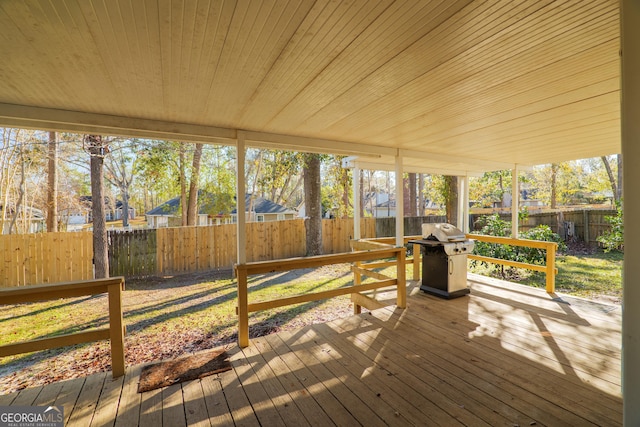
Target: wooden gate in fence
132, 253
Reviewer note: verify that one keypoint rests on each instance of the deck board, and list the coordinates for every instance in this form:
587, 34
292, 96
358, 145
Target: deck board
356, 395
195, 407
129, 407
387, 386
284, 404
107, 407
501, 376
483, 406
505, 355
151, 408
321, 406
26, 397
68, 396
82, 412
217, 407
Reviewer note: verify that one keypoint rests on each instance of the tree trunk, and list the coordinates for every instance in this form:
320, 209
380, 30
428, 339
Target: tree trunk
192, 208
313, 204
100, 246
420, 194
412, 195
612, 179
250, 207
451, 199
361, 178
125, 208
52, 184
18, 205
554, 192
620, 182
183, 184
346, 186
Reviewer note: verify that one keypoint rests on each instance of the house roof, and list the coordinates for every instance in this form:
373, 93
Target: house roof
87, 200
450, 86
260, 206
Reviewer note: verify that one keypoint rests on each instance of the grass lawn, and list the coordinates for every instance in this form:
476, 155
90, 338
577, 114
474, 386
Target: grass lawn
164, 317
597, 276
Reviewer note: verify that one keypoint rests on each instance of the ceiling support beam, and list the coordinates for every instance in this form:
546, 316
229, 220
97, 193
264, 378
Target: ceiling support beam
488, 165
382, 166
73, 121
314, 145
630, 111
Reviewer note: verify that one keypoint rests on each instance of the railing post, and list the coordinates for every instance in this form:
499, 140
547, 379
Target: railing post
357, 280
417, 256
401, 301
116, 329
551, 268
243, 307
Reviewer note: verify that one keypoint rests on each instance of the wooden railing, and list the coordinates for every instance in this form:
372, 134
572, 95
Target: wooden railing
243, 271
378, 242
550, 248
115, 332
549, 268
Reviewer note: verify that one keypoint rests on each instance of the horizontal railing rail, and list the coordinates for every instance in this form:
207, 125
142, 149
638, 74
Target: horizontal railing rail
243, 271
115, 332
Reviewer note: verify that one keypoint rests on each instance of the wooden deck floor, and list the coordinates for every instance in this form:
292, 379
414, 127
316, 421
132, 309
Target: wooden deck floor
506, 355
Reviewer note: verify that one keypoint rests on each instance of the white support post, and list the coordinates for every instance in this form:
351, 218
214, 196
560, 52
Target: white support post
630, 111
515, 202
241, 235
356, 202
465, 205
460, 201
399, 202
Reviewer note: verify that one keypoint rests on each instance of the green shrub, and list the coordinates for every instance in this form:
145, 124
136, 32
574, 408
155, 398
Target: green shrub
614, 238
493, 225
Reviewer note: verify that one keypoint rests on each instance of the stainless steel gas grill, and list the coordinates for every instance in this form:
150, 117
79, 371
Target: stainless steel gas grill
444, 251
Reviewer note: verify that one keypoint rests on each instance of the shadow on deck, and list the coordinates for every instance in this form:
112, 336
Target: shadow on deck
505, 355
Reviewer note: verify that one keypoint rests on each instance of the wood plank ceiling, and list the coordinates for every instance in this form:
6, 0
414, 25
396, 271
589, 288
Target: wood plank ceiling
457, 86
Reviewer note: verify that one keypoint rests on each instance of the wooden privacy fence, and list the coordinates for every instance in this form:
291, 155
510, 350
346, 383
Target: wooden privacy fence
32, 259
187, 249
58, 257
245, 270
115, 332
29, 259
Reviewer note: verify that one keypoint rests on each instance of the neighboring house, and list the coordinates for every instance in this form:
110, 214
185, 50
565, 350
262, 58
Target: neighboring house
525, 201
82, 214
262, 210
388, 208
29, 220
371, 200
384, 209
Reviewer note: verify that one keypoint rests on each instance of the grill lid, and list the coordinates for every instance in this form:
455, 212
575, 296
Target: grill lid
442, 232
